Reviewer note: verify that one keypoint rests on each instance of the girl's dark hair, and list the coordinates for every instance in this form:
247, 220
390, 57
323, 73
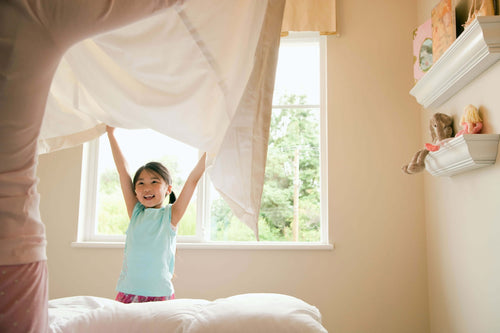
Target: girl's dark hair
162, 171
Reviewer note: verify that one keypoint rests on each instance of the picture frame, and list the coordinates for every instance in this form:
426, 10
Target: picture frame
443, 28
422, 49
464, 9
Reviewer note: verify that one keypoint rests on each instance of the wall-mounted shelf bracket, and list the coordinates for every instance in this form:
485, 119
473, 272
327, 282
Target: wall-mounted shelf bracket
463, 153
474, 51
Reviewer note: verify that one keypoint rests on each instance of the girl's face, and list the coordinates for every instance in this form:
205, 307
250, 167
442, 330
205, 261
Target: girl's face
151, 189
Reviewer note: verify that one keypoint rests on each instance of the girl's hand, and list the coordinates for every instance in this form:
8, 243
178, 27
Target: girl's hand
110, 129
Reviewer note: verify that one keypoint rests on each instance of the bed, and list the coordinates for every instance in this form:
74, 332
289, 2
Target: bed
256, 312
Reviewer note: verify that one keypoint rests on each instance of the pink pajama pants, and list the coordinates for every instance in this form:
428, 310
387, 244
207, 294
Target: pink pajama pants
129, 298
23, 298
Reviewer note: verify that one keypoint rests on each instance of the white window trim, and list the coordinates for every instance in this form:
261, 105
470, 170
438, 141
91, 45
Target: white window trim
89, 182
324, 139
211, 245
88, 190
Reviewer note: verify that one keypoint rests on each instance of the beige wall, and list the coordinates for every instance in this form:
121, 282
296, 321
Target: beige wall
376, 278
463, 223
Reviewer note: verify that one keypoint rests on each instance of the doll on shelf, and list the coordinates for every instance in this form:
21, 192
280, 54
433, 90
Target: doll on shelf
471, 121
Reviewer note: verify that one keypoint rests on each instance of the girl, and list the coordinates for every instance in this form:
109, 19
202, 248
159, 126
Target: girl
149, 256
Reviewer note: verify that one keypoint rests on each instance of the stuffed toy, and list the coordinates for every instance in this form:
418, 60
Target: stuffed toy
441, 128
471, 121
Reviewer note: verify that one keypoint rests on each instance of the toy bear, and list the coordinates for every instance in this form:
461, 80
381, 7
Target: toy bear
441, 128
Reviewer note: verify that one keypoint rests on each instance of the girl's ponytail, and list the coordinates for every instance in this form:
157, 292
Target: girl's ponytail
171, 198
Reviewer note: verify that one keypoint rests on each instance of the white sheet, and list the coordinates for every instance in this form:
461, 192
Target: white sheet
200, 73
261, 313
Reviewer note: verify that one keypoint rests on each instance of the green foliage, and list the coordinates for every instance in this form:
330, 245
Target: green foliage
221, 221
112, 213
231, 229
292, 131
187, 225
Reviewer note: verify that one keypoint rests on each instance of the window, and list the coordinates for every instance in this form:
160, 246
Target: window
294, 201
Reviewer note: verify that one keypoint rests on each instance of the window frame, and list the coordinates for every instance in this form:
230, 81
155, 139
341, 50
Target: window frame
87, 237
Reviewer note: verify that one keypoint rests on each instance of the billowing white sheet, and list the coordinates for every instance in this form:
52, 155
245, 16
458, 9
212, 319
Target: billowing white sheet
200, 72
264, 312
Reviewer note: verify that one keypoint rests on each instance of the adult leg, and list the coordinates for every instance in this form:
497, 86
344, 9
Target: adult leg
23, 298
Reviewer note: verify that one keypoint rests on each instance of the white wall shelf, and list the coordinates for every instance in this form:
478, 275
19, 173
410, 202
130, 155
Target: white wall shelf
474, 51
463, 153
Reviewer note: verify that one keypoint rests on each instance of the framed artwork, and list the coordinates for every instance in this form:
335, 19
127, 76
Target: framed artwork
467, 10
443, 28
422, 49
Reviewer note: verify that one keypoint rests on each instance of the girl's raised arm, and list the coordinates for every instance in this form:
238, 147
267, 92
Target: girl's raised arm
180, 205
122, 167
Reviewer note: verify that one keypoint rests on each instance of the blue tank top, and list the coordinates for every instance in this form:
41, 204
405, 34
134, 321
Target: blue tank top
149, 256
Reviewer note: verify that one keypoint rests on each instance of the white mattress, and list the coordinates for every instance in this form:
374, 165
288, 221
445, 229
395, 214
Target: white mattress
264, 312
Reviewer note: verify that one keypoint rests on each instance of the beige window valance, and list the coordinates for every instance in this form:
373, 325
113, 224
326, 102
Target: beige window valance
309, 15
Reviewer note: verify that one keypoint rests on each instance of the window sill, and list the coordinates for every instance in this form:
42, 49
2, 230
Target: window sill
220, 246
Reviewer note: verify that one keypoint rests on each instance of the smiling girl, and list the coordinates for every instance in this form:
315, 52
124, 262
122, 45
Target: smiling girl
149, 258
